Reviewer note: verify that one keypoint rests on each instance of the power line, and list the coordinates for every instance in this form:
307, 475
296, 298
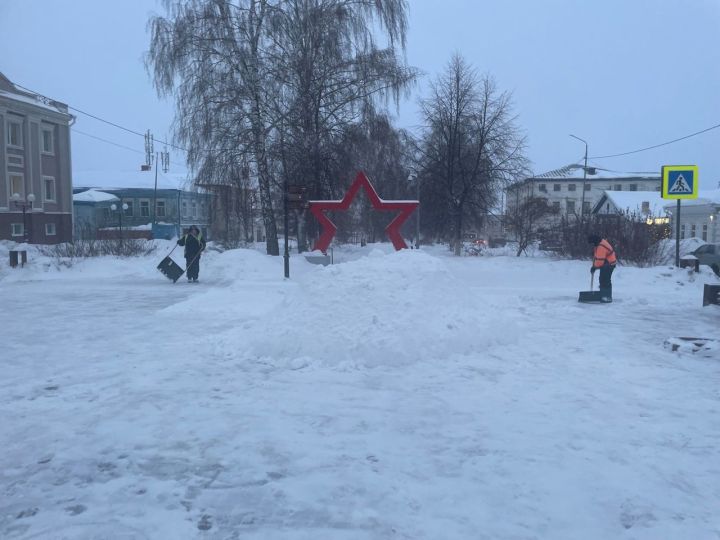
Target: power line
124, 128
106, 141
657, 145
118, 126
103, 120
75, 130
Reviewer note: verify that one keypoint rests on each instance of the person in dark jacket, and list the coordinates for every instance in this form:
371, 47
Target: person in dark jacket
194, 246
604, 259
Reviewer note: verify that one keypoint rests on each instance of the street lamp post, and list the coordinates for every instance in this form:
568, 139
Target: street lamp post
582, 204
120, 209
24, 205
413, 177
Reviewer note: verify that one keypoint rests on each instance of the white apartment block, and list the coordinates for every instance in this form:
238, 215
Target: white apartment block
572, 191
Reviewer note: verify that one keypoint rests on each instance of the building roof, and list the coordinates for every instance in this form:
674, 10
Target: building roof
9, 90
94, 196
130, 179
632, 201
574, 171
705, 196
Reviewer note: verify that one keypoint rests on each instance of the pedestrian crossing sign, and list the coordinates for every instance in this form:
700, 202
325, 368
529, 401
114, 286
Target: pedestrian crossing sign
680, 182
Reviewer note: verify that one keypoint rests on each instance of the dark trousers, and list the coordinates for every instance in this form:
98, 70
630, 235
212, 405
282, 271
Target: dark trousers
605, 280
193, 267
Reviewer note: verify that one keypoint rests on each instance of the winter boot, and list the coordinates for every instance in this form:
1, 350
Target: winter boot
606, 295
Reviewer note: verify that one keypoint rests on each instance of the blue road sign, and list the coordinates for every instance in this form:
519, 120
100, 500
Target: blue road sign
680, 181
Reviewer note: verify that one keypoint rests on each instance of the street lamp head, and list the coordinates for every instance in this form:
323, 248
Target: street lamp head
578, 138
31, 198
15, 197
113, 207
125, 206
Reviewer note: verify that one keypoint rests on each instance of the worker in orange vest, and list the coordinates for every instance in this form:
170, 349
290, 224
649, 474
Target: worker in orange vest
605, 260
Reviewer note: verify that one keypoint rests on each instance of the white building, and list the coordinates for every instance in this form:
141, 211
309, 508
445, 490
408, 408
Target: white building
648, 205
573, 191
698, 217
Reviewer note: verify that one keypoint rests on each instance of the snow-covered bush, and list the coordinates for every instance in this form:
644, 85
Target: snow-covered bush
80, 249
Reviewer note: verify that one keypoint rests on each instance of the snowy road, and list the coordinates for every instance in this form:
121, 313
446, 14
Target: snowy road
409, 395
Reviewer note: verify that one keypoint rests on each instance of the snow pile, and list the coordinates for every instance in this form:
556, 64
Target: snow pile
666, 249
387, 310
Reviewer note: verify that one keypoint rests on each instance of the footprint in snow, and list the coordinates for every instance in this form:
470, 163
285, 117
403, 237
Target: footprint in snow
29, 512
76, 509
204, 524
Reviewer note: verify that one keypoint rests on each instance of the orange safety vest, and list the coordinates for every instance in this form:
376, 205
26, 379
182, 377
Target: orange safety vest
603, 254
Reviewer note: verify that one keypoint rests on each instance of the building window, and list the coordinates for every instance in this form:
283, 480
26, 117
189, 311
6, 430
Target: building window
704, 232
645, 207
587, 187
17, 185
586, 207
50, 229
49, 188
633, 187
543, 188
160, 209
184, 209
571, 187
15, 134
556, 206
682, 231
145, 208
128, 212
618, 187
47, 142
570, 205
15, 161
17, 229
202, 209
693, 230
556, 187
193, 209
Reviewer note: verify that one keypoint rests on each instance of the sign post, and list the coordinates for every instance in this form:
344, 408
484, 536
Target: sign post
679, 182
294, 199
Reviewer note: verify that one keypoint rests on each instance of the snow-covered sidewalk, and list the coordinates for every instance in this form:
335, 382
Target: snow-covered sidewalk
398, 395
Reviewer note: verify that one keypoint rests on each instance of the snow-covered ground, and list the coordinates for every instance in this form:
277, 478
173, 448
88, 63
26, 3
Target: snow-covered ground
407, 395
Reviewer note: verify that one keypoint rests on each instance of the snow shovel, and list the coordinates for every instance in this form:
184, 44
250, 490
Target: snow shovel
169, 268
591, 295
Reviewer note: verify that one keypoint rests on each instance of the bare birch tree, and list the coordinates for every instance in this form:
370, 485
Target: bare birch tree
214, 57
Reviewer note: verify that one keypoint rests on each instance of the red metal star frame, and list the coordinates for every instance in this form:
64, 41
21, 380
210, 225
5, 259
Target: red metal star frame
405, 208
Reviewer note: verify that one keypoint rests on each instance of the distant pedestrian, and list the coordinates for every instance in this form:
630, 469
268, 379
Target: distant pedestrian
194, 246
604, 259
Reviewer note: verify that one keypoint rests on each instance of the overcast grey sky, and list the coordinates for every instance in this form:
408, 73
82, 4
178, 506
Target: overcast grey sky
621, 74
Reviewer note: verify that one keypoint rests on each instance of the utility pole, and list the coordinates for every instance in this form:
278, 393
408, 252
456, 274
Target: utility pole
162, 159
159, 159
582, 203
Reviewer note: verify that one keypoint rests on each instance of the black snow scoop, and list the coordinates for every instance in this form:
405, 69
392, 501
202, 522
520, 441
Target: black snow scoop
170, 269
591, 295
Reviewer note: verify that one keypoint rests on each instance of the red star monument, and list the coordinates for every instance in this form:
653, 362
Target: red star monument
404, 209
